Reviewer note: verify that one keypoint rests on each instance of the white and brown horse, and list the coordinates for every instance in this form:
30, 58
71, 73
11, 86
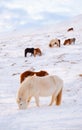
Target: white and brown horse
31, 73
34, 86
54, 42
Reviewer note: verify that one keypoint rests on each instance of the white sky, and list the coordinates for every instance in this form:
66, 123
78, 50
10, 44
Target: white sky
15, 14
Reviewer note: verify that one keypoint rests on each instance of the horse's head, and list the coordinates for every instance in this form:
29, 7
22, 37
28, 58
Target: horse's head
21, 99
21, 104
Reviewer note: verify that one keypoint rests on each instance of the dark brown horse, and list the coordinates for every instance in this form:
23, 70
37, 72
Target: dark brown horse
70, 29
30, 73
29, 50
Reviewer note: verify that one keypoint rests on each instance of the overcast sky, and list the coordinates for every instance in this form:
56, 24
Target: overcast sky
16, 14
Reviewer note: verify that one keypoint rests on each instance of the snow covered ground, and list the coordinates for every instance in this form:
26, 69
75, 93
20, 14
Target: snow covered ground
65, 62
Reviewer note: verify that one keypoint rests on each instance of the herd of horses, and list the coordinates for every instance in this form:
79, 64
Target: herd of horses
36, 84
54, 42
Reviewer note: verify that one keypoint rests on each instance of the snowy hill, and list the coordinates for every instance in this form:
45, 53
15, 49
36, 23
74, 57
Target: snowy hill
65, 62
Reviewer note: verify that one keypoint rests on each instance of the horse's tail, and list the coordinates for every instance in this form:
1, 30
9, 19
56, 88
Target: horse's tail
58, 99
59, 42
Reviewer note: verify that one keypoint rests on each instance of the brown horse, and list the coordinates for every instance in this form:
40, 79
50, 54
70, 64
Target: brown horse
69, 41
55, 42
37, 51
30, 73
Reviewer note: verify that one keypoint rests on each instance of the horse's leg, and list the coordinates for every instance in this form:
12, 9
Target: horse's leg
52, 100
31, 54
74, 41
28, 101
25, 53
34, 53
37, 100
40, 53
59, 43
58, 99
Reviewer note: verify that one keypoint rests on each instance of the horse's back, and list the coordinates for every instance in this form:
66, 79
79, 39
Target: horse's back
48, 81
49, 85
57, 78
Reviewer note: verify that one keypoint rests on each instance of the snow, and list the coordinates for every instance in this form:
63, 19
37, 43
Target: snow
66, 62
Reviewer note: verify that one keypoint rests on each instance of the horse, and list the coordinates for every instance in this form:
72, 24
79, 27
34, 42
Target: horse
54, 42
69, 41
35, 86
30, 73
33, 51
29, 50
37, 51
70, 29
